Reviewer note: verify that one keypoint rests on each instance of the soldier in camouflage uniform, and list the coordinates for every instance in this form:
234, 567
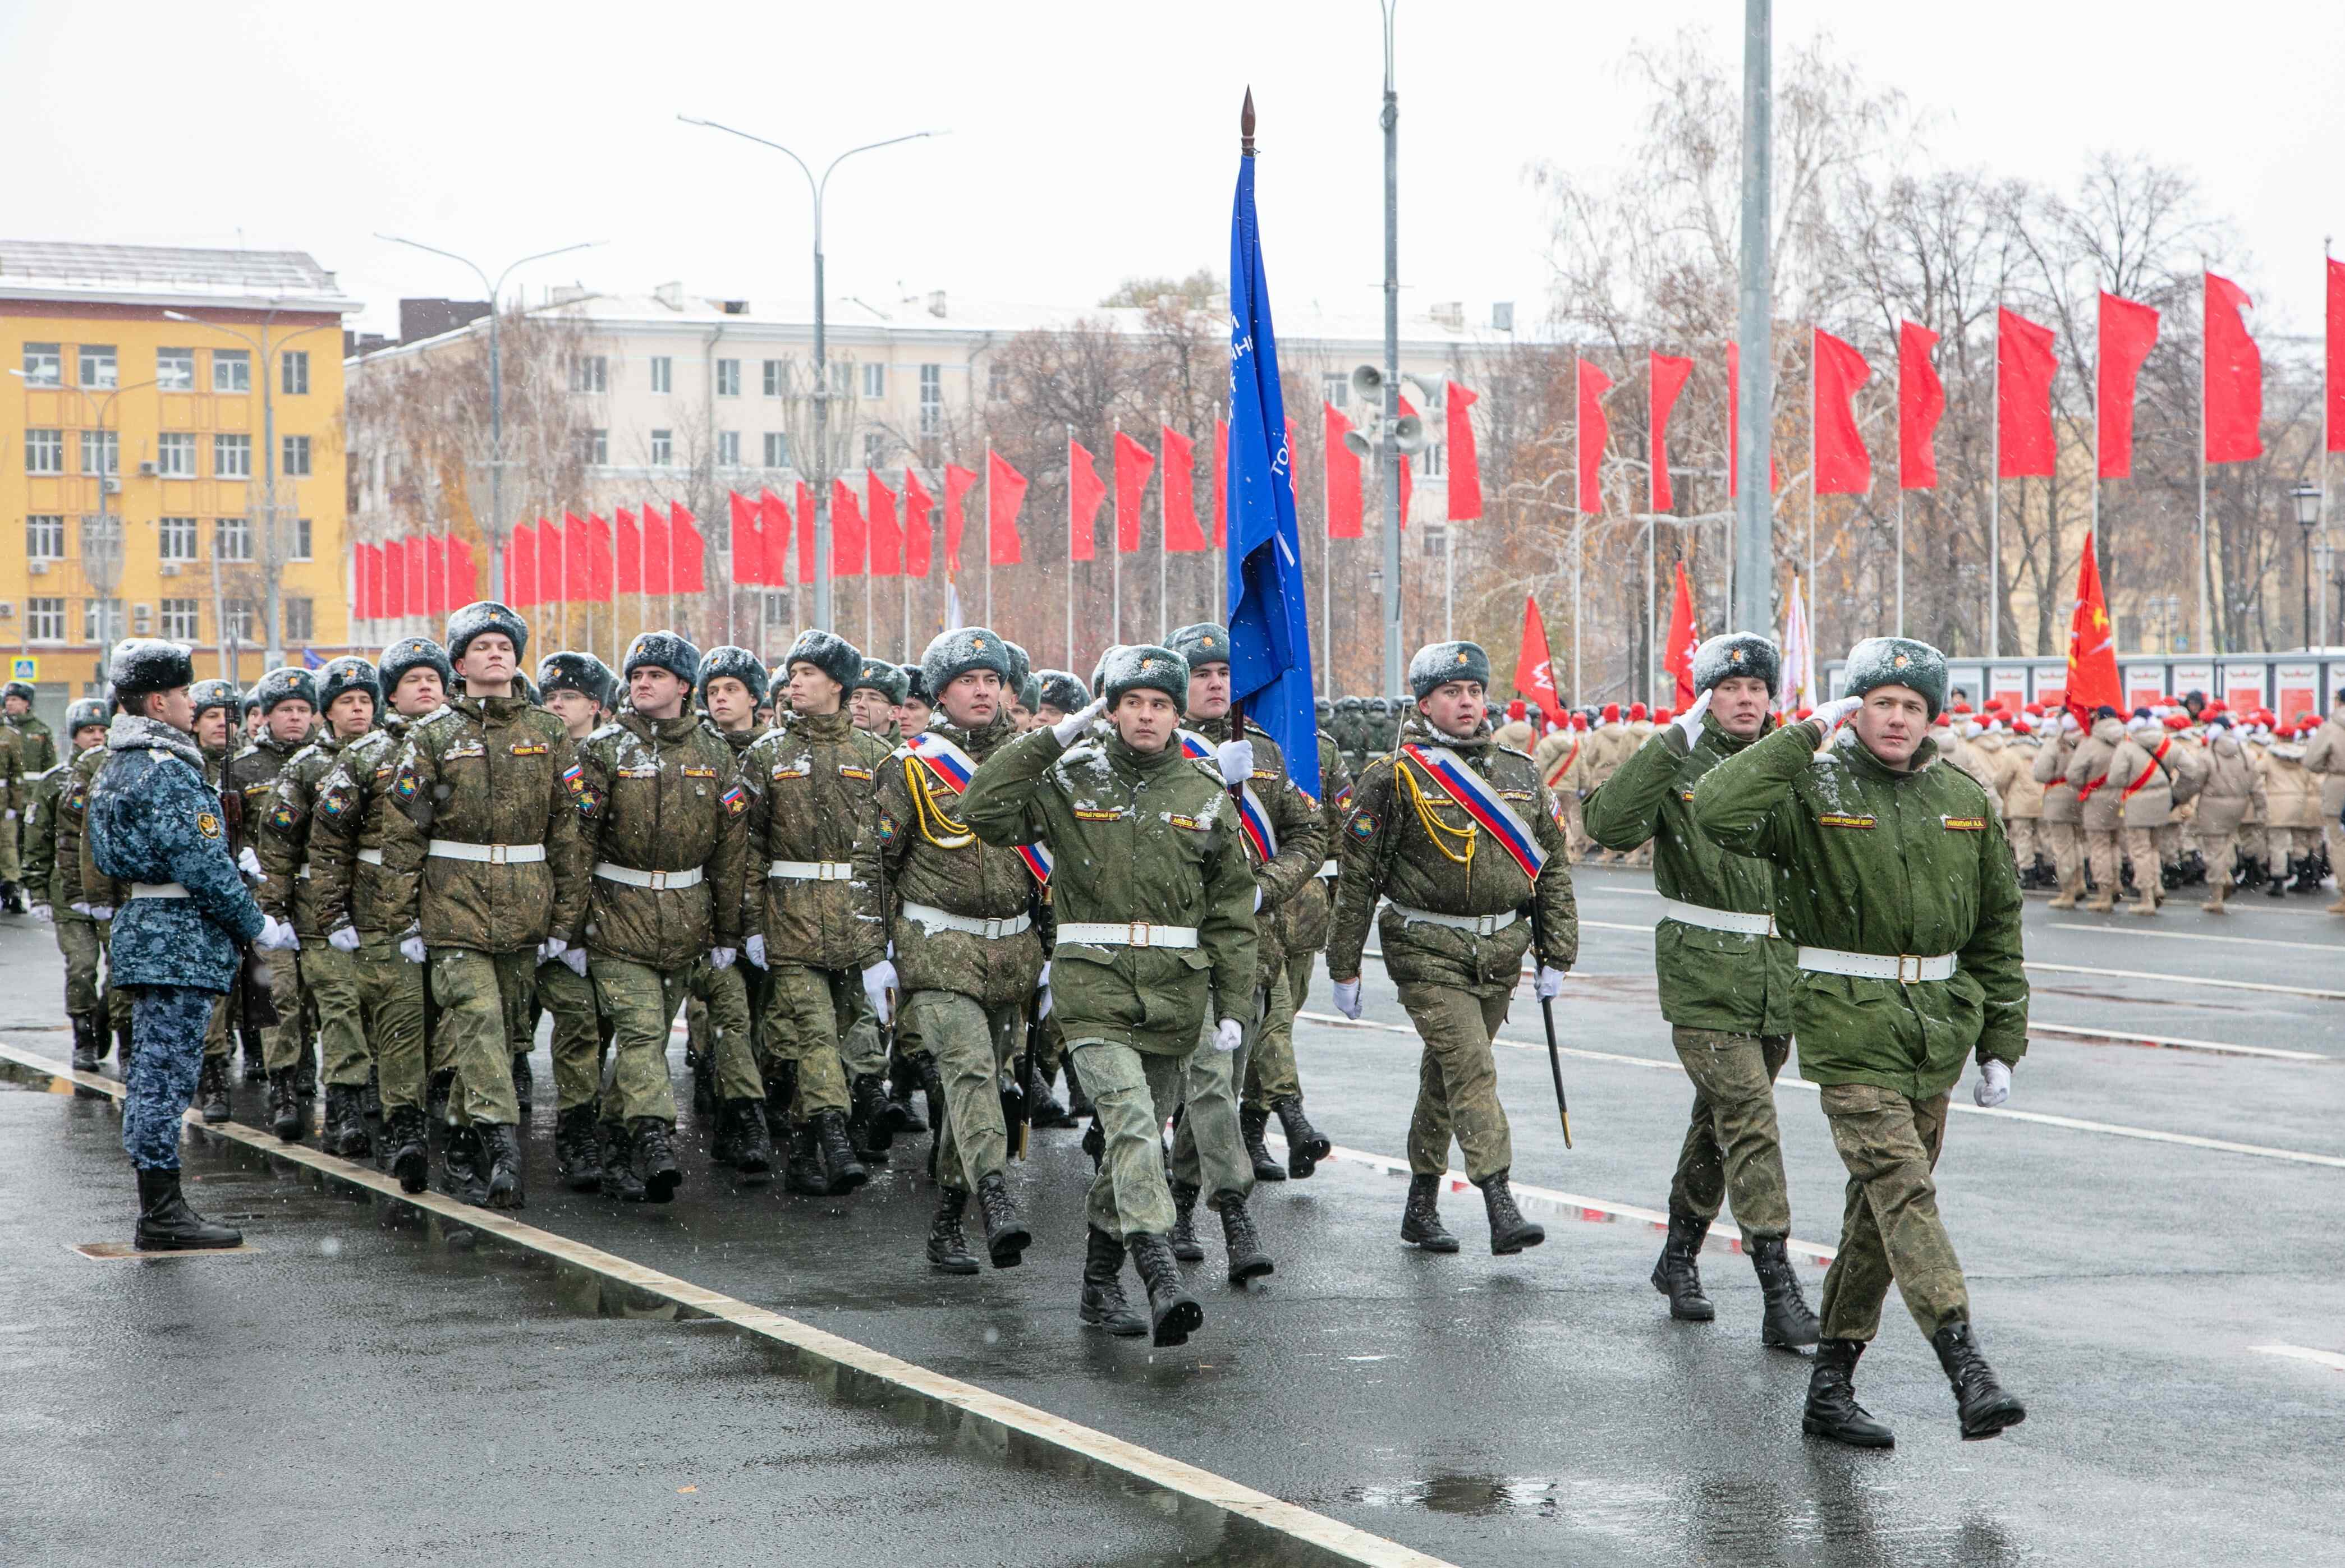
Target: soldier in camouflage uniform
503, 885
810, 785
1892, 876
874, 1117
1154, 902
18, 698
723, 1044
154, 825
216, 703
1726, 983
89, 892
14, 776
1059, 695
1274, 1085
1453, 936
288, 699
79, 939
366, 857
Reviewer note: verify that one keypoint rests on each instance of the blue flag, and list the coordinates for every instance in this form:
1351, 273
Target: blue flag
1270, 626
311, 660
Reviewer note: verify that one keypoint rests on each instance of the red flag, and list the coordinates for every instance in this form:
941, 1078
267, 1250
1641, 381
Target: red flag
846, 541
1180, 491
630, 552
1133, 464
2336, 362
687, 552
360, 573
521, 567
958, 482
2234, 371
1734, 426
917, 506
804, 499
2092, 645
1221, 482
1921, 400
577, 560
393, 600
774, 522
1667, 379
659, 551
1594, 431
1465, 459
1343, 509
1842, 466
748, 530
599, 573
2025, 363
886, 533
2126, 333
1684, 638
463, 582
1085, 491
418, 581
550, 585
1005, 492
435, 575
1534, 668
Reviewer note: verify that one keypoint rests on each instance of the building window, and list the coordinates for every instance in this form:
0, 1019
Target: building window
175, 454
300, 623
728, 448
1433, 537
996, 382
874, 446
98, 366
875, 380
182, 620
175, 539
1336, 386
932, 400
45, 620
777, 612
1429, 462
243, 619
101, 451
45, 451
777, 378
231, 370
100, 618
662, 448
590, 373
175, 369
231, 457
728, 378
44, 365
595, 448
777, 450
45, 537
662, 373
232, 538
296, 458
300, 539
294, 381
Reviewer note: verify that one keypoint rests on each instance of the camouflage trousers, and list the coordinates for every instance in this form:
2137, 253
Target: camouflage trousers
1270, 1073
216, 1035
582, 1035
2021, 831
167, 1021
726, 1039
808, 1017
862, 1045
287, 1041
331, 976
2065, 842
1049, 1047
483, 1000
972, 1044
1890, 1230
11, 864
1733, 1151
642, 1004
1134, 1091
1457, 1082
1209, 1152
390, 1009
83, 945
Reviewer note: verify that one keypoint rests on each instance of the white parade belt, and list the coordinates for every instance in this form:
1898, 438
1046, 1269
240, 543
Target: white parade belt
932, 920
486, 853
611, 870
302, 875
371, 857
159, 890
1331, 867
1906, 969
1136, 934
1479, 924
811, 870
1711, 919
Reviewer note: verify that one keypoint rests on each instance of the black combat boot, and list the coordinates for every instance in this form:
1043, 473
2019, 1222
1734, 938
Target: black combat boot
1095, 1143
1251, 1126
1247, 1260
166, 1223
1305, 1145
436, 1090
1042, 1108
409, 1148
256, 1068
1420, 1222
305, 1073
1832, 1410
461, 1158
211, 1090
1173, 1314
577, 1163
841, 1172
703, 1081
753, 1149
932, 1089
1787, 1324
1678, 1275
12, 897
654, 1160
501, 1156
616, 1152
1006, 1236
804, 1174
371, 1097
1985, 1408
285, 1114
869, 1129
948, 1251
903, 1078
1104, 1306
346, 1128
1509, 1232
776, 1112
88, 1049
725, 1137
1184, 1241
524, 1082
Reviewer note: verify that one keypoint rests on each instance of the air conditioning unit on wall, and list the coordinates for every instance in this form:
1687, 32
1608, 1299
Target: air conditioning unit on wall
37, 567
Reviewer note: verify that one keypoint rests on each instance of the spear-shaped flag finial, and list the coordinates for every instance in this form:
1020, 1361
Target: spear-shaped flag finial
1245, 125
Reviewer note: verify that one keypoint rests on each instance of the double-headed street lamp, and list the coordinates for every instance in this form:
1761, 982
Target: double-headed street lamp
2307, 519
817, 186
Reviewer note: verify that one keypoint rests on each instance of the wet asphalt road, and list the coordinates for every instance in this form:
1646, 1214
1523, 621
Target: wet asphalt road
1538, 1409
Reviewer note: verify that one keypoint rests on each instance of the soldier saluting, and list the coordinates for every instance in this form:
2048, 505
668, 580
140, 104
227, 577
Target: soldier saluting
1894, 879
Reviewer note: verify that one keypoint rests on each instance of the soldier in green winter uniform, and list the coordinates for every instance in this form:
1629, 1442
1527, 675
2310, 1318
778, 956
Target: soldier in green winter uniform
960, 916
216, 704
366, 857
1454, 935
14, 776
1726, 983
79, 939
1154, 904
1273, 1086
349, 696
811, 806
873, 1117
721, 1028
1892, 877
40, 744
1212, 1151
288, 702
503, 885
87, 892
1058, 694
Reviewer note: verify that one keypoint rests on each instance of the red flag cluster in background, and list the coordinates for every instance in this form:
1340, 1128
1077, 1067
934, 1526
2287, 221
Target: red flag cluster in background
426, 576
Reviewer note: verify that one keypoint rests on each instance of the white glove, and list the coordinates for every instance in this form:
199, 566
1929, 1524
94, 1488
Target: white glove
1042, 981
1347, 998
101, 911
1994, 1086
1548, 984
1070, 729
1236, 758
81, 910
277, 935
575, 960
249, 864
7, 816
1688, 723
1829, 716
722, 957
877, 981
1228, 1036
1257, 900
344, 938
755, 948
41, 913
411, 947
1042, 1007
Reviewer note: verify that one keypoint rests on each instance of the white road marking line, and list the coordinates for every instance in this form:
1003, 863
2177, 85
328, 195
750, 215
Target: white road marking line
2074, 1123
1158, 1470
2173, 1043
2334, 948
2192, 980
2328, 1359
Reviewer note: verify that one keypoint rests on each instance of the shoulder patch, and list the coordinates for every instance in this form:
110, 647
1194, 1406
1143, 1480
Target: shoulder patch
885, 827
734, 801
1363, 825
337, 798
207, 824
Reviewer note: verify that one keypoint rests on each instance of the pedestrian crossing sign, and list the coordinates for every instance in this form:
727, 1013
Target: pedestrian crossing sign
23, 669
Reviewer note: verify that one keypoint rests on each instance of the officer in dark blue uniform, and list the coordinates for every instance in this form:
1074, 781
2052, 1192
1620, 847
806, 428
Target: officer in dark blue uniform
155, 823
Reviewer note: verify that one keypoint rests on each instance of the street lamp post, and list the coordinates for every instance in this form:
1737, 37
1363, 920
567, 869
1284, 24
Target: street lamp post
1387, 443
2307, 517
821, 359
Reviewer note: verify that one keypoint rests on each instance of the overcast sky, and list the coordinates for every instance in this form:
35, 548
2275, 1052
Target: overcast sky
1090, 141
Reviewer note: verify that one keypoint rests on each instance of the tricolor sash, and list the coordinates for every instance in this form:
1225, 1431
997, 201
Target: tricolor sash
1253, 818
1481, 801
953, 768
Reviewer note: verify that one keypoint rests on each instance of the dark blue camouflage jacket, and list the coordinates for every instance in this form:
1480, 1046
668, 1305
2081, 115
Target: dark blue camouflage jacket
153, 820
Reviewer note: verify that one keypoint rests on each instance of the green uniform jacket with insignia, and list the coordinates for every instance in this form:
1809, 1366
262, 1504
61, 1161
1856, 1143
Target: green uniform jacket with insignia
660, 795
1869, 860
1727, 980
1295, 817
810, 785
280, 836
488, 771
39, 741
251, 777
15, 771
78, 879
1132, 837
1302, 920
1389, 853
357, 811
44, 872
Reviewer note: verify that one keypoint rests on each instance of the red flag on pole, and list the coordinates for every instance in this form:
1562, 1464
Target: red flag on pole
1464, 458
1842, 466
1668, 377
886, 533
550, 585
392, 599
748, 540
659, 551
1734, 426
2234, 374
1085, 491
919, 504
1180, 491
577, 560
1921, 400
804, 499
958, 482
1005, 492
361, 576
521, 567
1684, 638
1593, 430
598, 556
1133, 464
463, 582
1534, 667
435, 575
774, 522
846, 541
2126, 333
418, 579
1221, 482
2025, 364
687, 552
2335, 378
630, 553
1344, 507
2092, 644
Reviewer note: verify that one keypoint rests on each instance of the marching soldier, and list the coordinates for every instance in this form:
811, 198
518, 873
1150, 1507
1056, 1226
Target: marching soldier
2013, 754
2063, 819
1274, 1085
590, 1154
15, 774
40, 744
1562, 760
2292, 815
1060, 694
1153, 899
731, 685
1726, 983
874, 698
873, 1119
286, 701
2233, 788
2325, 757
2146, 773
92, 895
1458, 835
79, 938
216, 707
2099, 807
1893, 878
